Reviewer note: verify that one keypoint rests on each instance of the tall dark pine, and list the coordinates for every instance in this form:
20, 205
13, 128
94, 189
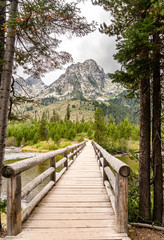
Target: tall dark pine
156, 133
144, 153
143, 20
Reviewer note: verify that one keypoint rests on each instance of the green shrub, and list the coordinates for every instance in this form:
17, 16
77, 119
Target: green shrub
133, 198
11, 141
80, 139
3, 206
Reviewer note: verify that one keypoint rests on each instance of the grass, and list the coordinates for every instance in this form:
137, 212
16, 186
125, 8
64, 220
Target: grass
122, 146
46, 146
132, 163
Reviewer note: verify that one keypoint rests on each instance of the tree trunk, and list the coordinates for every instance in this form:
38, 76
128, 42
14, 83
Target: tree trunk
144, 153
2, 34
2, 44
156, 134
6, 85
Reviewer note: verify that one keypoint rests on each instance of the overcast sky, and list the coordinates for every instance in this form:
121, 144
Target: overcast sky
95, 46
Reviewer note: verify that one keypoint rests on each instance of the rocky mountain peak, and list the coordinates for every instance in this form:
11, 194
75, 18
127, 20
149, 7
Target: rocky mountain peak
80, 80
86, 80
32, 86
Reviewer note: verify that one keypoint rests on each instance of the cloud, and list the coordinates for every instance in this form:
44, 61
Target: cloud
96, 45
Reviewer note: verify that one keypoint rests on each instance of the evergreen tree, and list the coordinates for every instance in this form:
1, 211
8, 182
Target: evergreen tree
99, 127
43, 129
68, 113
135, 25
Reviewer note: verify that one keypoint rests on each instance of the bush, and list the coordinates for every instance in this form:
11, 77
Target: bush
11, 141
3, 206
133, 198
90, 133
80, 139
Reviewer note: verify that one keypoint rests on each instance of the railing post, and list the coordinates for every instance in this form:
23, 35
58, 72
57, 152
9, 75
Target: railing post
121, 203
53, 164
66, 162
76, 151
14, 224
104, 174
72, 151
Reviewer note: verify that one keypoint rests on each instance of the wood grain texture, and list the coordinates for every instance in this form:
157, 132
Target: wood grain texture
77, 208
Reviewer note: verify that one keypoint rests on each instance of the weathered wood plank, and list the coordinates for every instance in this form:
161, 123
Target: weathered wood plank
74, 210
75, 204
72, 234
34, 223
72, 216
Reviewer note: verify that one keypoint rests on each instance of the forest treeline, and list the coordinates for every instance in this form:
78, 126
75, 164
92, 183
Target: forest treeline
119, 108
30, 132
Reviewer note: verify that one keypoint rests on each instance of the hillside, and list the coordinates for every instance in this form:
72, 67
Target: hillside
84, 86
119, 109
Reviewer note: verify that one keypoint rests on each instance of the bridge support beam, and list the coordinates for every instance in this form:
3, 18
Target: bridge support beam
14, 224
121, 204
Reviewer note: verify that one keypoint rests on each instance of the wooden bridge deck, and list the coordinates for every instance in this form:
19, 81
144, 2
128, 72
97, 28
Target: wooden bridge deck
76, 208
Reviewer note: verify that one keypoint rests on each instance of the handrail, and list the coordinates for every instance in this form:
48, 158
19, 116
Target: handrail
15, 192
115, 178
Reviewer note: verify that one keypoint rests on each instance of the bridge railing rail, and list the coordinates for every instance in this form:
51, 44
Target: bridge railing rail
15, 193
115, 178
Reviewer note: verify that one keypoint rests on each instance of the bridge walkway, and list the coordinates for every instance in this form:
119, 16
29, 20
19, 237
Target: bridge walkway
77, 208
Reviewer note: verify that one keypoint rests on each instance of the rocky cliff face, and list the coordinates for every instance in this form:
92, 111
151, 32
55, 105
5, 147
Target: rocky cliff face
32, 86
81, 80
86, 80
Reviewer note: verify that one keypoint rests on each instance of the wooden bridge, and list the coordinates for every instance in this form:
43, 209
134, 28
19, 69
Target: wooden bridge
89, 202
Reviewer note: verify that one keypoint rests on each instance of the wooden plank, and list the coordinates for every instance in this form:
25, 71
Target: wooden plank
78, 198
33, 223
77, 192
74, 210
73, 216
72, 234
75, 204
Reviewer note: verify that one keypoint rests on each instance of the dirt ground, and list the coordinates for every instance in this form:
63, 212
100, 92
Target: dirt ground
145, 234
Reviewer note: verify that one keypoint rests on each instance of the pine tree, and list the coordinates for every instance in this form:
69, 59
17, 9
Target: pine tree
138, 26
68, 113
99, 127
43, 133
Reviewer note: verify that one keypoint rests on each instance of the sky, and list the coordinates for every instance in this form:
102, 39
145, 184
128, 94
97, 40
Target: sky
96, 46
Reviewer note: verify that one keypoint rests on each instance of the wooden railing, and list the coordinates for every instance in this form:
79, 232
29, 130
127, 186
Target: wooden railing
115, 178
15, 193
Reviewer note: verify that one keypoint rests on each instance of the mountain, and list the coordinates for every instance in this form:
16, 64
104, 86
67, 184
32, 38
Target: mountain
80, 81
33, 86
83, 80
